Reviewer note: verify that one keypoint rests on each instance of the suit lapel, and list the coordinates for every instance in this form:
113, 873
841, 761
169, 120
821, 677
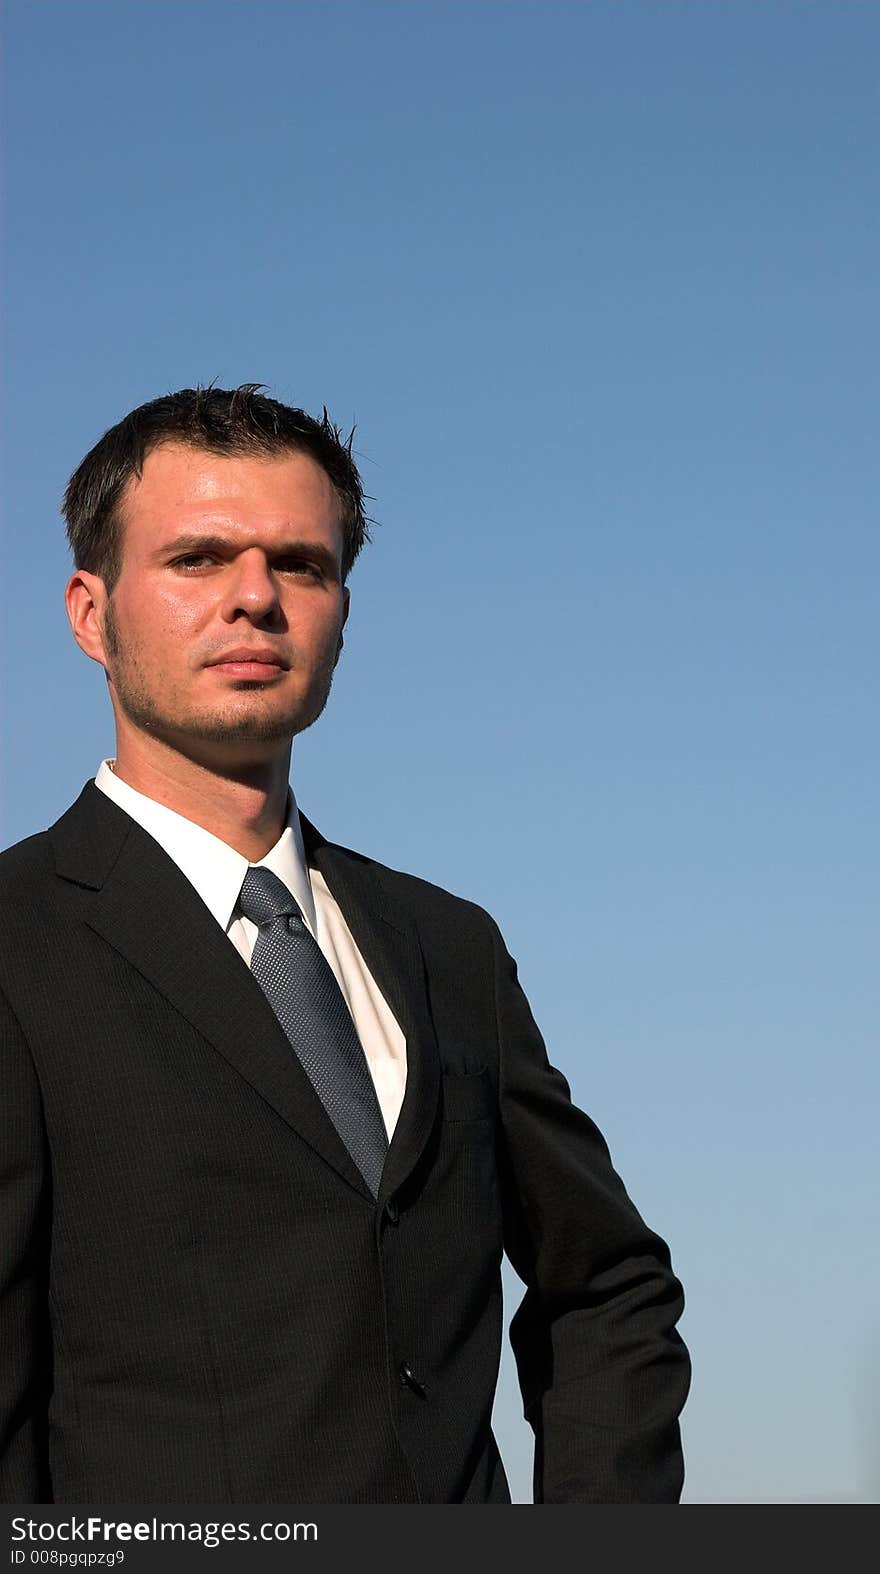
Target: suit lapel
387, 938
150, 913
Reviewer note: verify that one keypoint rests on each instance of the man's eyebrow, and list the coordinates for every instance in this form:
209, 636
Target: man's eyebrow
316, 550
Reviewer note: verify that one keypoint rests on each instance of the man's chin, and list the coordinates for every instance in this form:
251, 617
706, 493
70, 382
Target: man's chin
241, 733
238, 739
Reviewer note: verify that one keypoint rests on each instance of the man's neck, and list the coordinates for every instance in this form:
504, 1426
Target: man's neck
247, 811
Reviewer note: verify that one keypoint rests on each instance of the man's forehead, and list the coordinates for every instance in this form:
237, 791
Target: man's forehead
202, 473
180, 481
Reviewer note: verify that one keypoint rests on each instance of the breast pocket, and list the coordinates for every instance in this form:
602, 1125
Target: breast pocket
465, 1181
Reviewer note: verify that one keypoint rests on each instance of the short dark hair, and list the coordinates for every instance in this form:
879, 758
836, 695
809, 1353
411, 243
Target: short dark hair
222, 421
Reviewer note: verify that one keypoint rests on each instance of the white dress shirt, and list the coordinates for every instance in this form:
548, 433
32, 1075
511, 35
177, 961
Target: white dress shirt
217, 872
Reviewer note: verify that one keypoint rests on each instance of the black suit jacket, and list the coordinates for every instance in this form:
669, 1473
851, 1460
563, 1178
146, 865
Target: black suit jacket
200, 1299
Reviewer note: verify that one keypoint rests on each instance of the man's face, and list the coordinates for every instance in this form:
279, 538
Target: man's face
225, 624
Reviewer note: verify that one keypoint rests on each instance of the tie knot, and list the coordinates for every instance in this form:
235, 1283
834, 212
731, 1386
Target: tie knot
264, 898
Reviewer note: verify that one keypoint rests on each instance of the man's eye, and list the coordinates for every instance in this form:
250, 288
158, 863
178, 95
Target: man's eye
298, 565
287, 565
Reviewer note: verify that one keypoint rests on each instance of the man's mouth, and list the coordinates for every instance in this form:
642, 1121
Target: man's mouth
248, 662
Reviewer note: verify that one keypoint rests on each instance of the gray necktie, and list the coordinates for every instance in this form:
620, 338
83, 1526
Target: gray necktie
301, 988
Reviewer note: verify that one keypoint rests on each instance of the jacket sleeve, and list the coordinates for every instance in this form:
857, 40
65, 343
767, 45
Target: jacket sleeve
602, 1370
25, 1348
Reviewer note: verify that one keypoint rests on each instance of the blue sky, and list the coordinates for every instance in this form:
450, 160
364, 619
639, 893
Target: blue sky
598, 285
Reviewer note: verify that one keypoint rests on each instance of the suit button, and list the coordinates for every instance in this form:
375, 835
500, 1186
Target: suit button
409, 1380
392, 1212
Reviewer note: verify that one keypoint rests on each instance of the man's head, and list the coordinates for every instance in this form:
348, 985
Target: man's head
212, 532
219, 421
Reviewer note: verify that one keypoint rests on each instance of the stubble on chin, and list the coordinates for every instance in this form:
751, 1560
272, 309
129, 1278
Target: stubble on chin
144, 709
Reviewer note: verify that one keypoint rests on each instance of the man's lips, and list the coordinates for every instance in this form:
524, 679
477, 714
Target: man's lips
245, 662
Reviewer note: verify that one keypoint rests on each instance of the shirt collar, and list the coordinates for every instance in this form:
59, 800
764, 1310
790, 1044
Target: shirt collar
214, 868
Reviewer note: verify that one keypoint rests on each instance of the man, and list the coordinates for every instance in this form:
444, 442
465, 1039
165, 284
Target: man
272, 1111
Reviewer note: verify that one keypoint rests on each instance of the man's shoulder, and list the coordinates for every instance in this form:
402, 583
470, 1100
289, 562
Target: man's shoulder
423, 899
88, 832
25, 860
27, 900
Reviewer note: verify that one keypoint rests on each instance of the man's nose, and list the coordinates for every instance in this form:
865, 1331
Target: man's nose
251, 588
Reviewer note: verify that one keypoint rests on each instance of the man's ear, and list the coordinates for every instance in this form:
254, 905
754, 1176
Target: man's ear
347, 594
85, 599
